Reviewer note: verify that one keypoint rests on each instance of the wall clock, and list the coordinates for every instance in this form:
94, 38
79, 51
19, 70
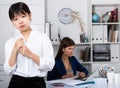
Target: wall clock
65, 16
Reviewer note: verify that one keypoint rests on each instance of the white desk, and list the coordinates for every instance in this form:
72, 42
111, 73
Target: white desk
72, 83
99, 83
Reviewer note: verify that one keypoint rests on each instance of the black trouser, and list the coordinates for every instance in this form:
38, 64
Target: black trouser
23, 82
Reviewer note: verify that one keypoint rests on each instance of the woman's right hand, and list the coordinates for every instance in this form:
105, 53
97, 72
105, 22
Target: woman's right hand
13, 58
68, 75
18, 44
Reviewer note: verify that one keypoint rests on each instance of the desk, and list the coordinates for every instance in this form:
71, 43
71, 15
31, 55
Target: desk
99, 83
72, 83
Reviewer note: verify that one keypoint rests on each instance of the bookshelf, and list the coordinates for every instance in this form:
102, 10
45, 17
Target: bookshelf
105, 34
105, 39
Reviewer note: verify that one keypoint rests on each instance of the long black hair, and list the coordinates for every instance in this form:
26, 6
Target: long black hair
18, 8
65, 42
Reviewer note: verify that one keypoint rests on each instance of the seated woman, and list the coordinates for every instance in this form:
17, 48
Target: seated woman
66, 65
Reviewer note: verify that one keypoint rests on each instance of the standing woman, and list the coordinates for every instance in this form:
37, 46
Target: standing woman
29, 54
66, 65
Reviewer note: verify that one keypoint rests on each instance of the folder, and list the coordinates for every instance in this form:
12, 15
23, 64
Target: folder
105, 33
48, 29
116, 36
100, 33
87, 54
115, 52
113, 33
97, 34
54, 35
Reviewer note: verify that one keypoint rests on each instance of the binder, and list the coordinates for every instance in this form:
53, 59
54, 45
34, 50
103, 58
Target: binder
54, 35
112, 33
48, 29
97, 34
105, 33
100, 34
115, 52
116, 36
87, 54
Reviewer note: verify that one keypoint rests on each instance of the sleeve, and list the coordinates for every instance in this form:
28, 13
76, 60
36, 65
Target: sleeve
54, 74
81, 68
47, 60
9, 70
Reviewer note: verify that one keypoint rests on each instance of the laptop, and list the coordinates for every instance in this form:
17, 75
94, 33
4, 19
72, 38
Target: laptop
93, 75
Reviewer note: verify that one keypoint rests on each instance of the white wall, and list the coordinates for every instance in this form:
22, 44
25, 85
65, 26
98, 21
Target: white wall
72, 30
105, 1
6, 30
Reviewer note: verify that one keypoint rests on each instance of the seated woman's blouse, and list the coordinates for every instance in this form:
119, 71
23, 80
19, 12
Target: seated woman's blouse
59, 69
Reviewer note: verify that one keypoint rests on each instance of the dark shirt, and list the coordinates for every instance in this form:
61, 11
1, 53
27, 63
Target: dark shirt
59, 69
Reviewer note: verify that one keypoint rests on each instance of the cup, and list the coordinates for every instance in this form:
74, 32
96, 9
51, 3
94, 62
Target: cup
117, 79
110, 77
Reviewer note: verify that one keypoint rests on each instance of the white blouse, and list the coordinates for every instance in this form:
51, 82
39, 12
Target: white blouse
38, 43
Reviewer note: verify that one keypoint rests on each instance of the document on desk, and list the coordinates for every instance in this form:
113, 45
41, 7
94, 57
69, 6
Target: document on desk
101, 83
72, 82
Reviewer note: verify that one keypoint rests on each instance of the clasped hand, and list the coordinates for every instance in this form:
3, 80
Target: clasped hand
69, 75
21, 47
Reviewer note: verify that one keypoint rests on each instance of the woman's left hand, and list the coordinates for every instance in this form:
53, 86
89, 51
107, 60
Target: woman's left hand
24, 51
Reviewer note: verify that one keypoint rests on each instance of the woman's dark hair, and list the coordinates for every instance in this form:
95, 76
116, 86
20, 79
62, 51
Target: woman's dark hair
66, 42
18, 8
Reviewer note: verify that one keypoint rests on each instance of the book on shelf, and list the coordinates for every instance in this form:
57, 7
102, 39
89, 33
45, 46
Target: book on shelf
114, 15
85, 54
82, 55
112, 33
110, 16
116, 35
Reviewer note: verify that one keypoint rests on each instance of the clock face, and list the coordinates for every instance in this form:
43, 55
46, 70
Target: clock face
65, 16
